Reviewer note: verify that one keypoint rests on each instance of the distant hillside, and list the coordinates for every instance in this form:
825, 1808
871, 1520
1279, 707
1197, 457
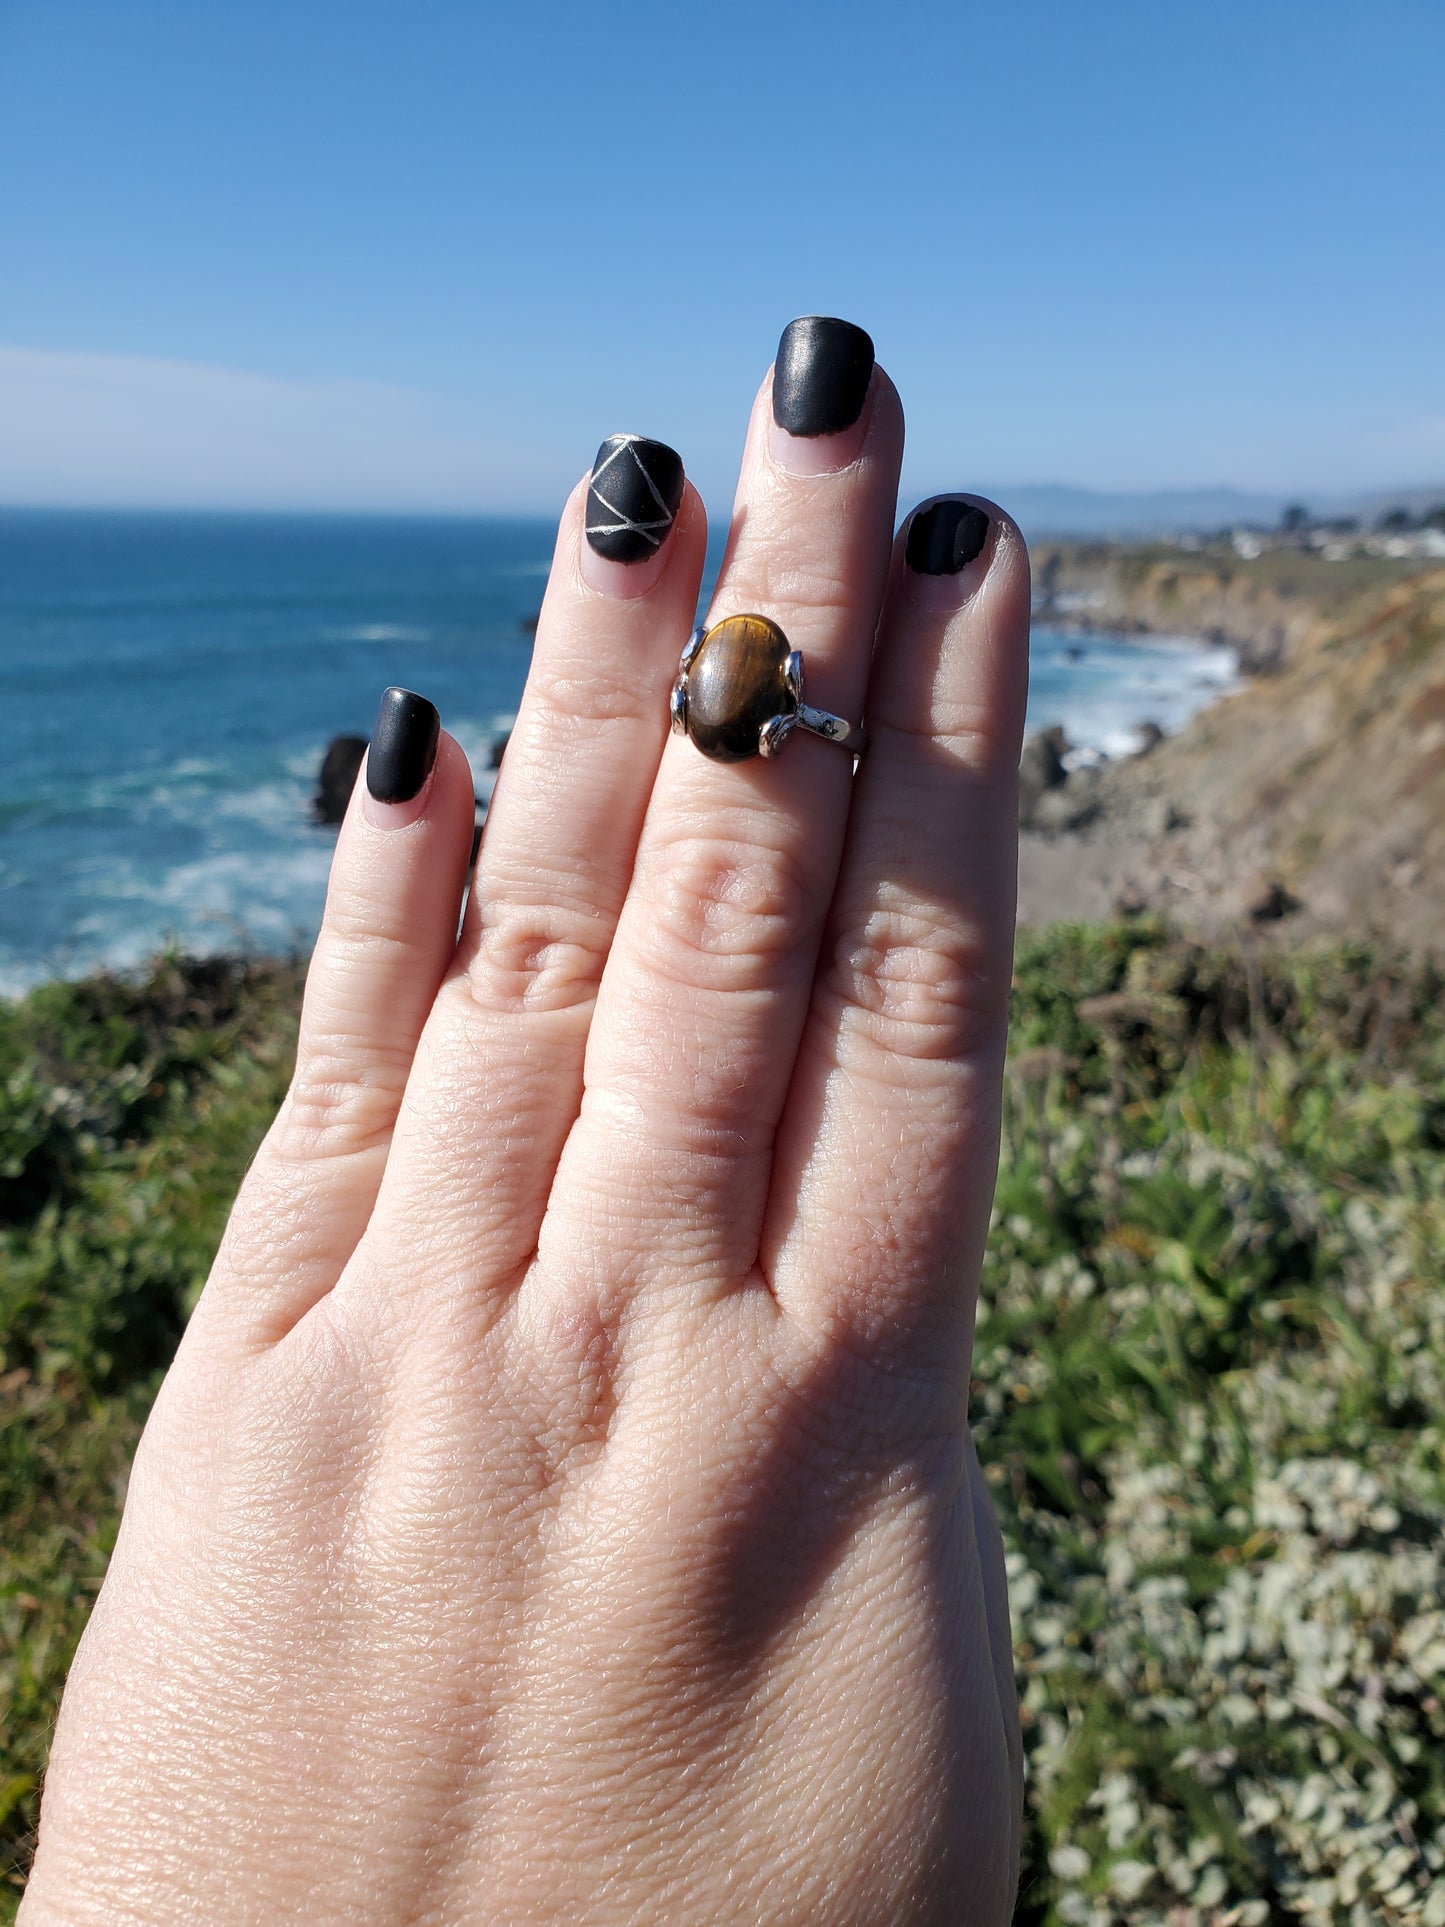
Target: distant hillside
1054, 509
1262, 607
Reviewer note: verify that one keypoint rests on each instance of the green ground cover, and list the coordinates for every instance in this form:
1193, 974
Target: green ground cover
1209, 1392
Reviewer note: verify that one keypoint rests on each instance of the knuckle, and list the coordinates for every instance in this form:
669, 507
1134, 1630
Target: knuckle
797, 588
535, 956
701, 1147
724, 910
340, 1101
581, 696
355, 936
914, 985
975, 737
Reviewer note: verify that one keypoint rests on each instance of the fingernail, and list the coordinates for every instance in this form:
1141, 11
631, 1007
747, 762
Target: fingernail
400, 757
821, 377
820, 383
632, 503
945, 537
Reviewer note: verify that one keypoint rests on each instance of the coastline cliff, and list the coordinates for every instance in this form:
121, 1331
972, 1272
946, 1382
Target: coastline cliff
1263, 606
1313, 798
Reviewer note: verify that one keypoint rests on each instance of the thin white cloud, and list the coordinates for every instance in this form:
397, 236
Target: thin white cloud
103, 430
133, 431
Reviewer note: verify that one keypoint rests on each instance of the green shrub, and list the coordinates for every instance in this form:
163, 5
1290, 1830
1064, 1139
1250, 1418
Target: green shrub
1209, 1393
127, 1113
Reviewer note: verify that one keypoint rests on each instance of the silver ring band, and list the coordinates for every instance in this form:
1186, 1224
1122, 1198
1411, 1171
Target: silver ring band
739, 693
837, 729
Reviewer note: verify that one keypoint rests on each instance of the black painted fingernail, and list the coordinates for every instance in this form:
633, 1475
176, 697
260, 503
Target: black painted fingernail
634, 497
821, 376
403, 746
945, 537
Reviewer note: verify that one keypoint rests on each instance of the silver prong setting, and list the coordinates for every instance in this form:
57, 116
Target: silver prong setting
677, 701
834, 729
755, 672
774, 733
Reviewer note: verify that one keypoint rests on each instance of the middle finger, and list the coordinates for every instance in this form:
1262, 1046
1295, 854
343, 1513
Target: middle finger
706, 988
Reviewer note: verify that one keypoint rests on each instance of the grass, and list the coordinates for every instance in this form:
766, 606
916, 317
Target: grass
1209, 1393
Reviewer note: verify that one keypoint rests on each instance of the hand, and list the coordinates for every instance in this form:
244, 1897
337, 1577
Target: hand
561, 1507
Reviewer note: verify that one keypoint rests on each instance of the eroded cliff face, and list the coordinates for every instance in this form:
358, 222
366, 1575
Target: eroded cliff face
1263, 608
1314, 797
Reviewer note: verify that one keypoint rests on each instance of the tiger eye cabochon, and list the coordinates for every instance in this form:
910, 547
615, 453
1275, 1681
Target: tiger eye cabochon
736, 682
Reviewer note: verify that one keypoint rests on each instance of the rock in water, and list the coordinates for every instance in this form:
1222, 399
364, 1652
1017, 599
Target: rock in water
338, 777
1041, 769
1072, 806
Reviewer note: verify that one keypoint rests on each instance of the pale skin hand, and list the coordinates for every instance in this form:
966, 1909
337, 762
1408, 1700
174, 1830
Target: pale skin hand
561, 1507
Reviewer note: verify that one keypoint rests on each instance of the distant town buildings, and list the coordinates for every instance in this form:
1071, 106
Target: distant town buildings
1397, 534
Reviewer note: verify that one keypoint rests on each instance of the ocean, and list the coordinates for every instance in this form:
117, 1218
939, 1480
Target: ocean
168, 684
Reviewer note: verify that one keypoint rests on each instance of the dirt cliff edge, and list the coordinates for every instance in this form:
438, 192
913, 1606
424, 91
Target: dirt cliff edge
1314, 797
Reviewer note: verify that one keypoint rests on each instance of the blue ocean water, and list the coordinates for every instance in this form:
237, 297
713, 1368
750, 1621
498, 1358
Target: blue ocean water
168, 685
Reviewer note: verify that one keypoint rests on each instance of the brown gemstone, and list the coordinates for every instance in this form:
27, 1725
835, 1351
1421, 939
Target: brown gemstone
735, 682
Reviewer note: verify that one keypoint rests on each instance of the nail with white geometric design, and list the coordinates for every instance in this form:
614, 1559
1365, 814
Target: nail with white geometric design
633, 498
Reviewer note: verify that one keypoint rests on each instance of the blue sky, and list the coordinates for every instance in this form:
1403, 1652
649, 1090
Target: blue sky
425, 255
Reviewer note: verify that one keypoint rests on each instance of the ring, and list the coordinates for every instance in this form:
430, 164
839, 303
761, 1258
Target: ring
739, 693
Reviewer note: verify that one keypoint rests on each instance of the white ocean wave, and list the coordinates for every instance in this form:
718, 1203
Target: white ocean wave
214, 858
278, 805
377, 632
1103, 691
239, 882
304, 764
261, 899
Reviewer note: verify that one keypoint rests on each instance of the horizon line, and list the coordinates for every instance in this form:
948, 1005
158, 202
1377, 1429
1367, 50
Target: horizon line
413, 512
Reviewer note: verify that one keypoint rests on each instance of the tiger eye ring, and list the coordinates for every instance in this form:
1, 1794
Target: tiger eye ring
739, 693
